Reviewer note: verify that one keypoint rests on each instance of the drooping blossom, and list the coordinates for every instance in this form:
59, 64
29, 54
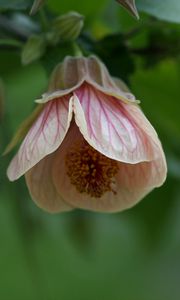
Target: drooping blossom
90, 147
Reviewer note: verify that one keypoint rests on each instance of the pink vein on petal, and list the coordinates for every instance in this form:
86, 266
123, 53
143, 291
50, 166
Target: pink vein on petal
44, 137
111, 129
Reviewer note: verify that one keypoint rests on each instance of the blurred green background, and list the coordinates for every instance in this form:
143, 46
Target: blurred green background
133, 255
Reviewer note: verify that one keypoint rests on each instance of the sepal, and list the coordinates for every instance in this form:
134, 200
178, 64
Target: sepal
130, 6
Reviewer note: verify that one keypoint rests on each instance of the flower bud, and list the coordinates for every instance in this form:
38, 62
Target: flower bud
130, 6
33, 49
68, 27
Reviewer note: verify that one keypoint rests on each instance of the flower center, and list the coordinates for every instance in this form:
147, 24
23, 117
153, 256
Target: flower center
90, 171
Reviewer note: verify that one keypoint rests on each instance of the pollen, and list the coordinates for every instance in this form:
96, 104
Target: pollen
90, 171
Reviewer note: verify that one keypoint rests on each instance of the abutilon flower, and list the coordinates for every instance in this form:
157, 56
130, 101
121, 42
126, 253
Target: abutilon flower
90, 146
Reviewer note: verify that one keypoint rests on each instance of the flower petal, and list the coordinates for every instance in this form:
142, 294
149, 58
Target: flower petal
42, 189
135, 181
51, 96
74, 71
132, 182
98, 76
59, 171
118, 130
66, 77
44, 137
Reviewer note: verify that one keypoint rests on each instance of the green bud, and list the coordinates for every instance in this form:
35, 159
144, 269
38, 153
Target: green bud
68, 27
130, 6
33, 49
36, 6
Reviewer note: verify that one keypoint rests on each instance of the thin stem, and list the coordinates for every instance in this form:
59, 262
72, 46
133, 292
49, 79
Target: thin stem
10, 43
43, 19
77, 50
136, 30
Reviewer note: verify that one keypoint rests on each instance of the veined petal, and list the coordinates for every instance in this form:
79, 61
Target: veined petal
44, 137
98, 76
41, 187
132, 183
110, 127
114, 91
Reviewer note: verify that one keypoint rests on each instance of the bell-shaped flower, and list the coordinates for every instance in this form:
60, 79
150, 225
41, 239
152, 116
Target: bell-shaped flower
90, 147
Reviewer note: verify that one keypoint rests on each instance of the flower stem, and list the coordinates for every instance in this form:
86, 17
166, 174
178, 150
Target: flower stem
10, 43
43, 19
77, 50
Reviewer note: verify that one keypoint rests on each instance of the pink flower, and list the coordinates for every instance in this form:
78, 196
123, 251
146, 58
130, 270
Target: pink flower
90, 147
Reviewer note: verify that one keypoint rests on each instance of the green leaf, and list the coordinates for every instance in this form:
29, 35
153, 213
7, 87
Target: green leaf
158, 90
14, 4
10, 42
33, 49
162, 43
168, 10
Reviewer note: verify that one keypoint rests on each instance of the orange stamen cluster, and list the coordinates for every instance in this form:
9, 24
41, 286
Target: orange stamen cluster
90, 171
